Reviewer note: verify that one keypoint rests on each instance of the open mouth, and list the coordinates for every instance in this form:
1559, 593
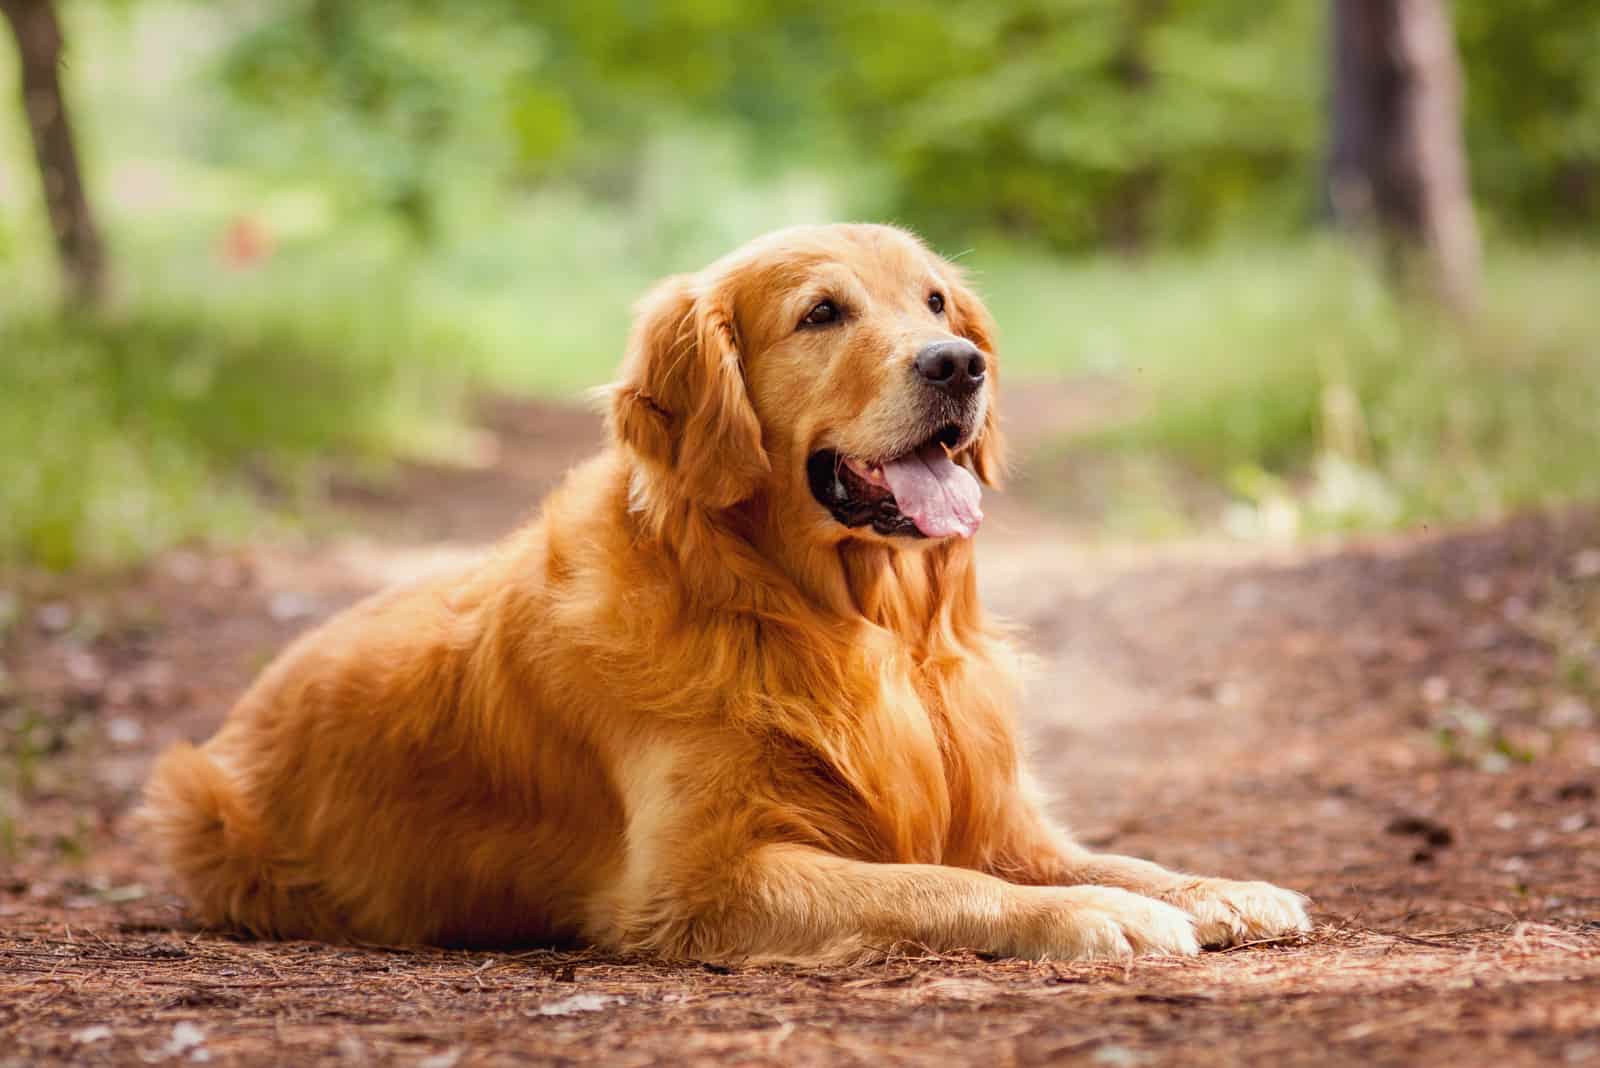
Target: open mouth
922, 493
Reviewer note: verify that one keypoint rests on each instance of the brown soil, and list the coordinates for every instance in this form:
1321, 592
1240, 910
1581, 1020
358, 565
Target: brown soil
1403, 729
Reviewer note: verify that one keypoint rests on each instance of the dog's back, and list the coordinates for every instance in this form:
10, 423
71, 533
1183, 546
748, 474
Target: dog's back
393, 778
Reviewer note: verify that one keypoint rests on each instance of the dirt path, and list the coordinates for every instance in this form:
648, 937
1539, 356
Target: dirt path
1404, 730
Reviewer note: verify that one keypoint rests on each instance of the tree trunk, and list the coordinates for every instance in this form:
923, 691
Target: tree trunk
1397, 163
1132, 200
38, 34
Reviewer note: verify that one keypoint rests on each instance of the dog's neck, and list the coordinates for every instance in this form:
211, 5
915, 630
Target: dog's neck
919, 593
755, 559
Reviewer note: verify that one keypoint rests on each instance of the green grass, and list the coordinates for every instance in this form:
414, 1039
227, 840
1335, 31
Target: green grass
1279, 390
125, 432
1317, 397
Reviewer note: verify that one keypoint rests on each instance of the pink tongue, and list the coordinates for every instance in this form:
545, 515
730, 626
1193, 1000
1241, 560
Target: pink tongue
937, 494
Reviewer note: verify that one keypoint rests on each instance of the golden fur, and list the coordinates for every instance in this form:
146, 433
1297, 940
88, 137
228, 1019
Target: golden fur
684, 711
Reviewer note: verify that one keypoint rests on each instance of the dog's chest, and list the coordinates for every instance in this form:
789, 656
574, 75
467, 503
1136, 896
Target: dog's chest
927, 766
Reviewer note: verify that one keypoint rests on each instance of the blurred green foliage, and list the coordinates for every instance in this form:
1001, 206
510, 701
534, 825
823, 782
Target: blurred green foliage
124, 433
1533, 112
459, 196
1077, 122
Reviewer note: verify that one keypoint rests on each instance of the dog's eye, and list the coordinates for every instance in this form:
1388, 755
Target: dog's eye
824, 313
936, 303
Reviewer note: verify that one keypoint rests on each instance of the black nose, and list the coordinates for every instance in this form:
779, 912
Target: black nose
954, 366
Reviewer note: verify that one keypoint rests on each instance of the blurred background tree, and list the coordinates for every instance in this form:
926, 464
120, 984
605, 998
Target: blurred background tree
433, 199
1397, 160
37, 32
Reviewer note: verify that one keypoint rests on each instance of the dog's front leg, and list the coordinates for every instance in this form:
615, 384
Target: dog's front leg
799, 904
1226, 911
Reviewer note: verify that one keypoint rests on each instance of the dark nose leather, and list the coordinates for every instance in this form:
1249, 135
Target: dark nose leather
955, 367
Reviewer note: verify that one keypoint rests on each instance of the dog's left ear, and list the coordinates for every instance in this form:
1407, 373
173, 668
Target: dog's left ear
681, 404
971, 320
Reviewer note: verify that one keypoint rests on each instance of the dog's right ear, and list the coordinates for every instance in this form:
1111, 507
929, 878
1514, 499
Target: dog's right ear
971, 320
681, 404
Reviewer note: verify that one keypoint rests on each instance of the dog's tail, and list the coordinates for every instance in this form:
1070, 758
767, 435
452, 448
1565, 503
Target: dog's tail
204, 830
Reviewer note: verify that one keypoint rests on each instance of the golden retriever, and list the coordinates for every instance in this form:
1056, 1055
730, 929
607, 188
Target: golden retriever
730, 697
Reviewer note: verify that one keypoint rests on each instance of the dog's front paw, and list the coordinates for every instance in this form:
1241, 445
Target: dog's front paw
1099, 922
1227, 913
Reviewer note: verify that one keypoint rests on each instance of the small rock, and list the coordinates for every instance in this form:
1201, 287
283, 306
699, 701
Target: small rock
1435, 689
1505, 821
97, 1033
1573, 823
447, 1059
577, 1003
186, 1038
83, 668
1495, 763
54, 617
124, 731
288, 606
1586, 564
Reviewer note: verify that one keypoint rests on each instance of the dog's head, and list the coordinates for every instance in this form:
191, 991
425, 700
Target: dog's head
845, 373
